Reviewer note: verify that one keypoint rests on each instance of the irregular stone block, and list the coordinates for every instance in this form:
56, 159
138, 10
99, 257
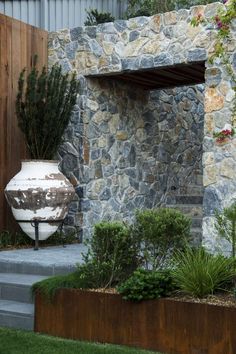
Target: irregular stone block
195, 55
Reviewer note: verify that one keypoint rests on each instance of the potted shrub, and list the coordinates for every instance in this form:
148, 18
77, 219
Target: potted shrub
40, 191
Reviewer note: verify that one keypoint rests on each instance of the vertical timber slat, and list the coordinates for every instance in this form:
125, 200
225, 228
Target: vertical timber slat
19, 42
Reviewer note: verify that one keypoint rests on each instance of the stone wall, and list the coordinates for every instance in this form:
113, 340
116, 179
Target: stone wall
141, 149
138, 44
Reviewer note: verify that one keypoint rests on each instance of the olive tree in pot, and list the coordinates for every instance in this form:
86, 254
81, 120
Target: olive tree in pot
40, 191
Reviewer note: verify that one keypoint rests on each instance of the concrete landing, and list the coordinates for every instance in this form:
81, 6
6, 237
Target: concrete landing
46, 261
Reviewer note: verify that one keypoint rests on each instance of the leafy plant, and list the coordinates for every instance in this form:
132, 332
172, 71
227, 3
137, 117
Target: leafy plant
223, 22
114, 247
152, 7
49, 286
90, 275
183, 4
43, 107
13, 239
146, 285
111, 258
19, 239
94, 17
199, 273
141, 8
160, 232
226, 225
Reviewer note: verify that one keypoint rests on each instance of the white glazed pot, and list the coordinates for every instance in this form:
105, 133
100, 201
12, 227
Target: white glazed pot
39, 192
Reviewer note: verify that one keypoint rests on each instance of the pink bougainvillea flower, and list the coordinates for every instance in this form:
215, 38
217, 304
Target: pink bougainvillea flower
226, 132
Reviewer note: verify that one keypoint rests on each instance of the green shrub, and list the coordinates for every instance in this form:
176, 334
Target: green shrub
48, 287
146, 285
199, 273
44, 104
90, 275
226, 226
152, 7
111, 258
19, 239
115, 249
160, 232
59, 238
94, 17
13, 239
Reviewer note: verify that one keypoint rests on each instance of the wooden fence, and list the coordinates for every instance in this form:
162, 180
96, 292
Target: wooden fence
19, 43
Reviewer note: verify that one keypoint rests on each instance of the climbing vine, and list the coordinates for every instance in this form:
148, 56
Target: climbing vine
222, 22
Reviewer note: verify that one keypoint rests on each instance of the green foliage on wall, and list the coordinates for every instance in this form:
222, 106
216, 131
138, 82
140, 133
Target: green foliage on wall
94, 17
151, 7
226, 226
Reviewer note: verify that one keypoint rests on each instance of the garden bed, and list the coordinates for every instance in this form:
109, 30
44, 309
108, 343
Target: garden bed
167, 325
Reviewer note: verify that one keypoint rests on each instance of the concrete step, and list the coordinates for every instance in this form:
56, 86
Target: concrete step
16, 287
195, 213
19, 269
34, 268
16, 314
189, 199
194, 190
196, 222
196, 236
47, 261
192, 210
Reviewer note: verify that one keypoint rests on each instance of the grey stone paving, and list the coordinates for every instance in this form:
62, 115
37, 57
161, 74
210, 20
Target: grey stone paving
45, 261
69, 255
22, 279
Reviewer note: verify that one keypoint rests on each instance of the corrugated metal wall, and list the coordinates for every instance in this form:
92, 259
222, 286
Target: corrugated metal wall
57, 14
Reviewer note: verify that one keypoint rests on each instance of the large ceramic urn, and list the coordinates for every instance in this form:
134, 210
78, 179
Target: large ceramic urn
39, 192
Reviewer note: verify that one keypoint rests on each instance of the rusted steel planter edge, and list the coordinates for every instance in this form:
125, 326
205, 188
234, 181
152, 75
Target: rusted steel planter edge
168, 325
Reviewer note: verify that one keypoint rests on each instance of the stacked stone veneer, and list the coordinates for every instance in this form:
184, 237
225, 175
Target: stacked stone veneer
119, 144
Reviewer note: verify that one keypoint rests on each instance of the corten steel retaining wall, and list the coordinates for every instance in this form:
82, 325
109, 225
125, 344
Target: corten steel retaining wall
19, 43
166, 325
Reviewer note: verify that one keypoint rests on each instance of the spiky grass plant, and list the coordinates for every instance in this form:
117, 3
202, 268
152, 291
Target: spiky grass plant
43, 107
198, 273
